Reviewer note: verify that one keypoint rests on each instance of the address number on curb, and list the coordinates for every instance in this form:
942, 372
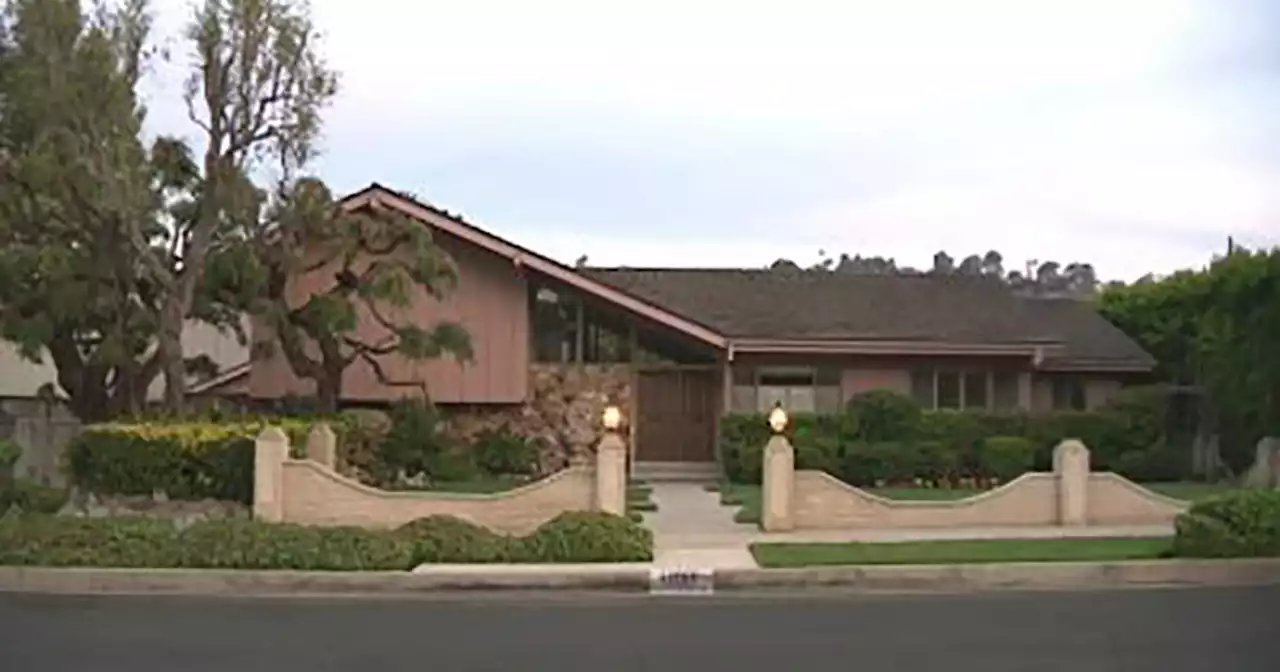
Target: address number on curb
680, 581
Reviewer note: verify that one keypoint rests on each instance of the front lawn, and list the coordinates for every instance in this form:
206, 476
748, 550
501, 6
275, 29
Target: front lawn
748, 496
962, 551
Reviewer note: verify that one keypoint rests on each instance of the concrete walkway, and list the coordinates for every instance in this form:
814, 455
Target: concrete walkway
692, 530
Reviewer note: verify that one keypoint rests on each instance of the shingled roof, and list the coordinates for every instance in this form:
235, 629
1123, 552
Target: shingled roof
764, 304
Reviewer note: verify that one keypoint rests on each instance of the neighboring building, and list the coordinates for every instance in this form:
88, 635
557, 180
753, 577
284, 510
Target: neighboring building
42, 425
677, 348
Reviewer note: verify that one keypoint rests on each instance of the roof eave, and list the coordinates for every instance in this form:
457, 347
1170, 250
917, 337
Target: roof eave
883, 347
379, 196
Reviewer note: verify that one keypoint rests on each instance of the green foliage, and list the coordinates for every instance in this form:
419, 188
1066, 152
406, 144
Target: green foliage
370, 263
883, 415
503, 452
880, 440
446, 539
30, 496
1006, 457
246, 544
10, 451
1215, 328
417, 443
1244, 523
588, 536
187, 461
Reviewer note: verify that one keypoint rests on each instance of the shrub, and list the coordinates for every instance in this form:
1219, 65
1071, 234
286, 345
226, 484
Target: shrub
446, 539
742, 440
30, 496
882, 415
103, 542
503, 452
1245, 523
588, 536
248, 544
417, 443
10, 451
27, 539
1005, 457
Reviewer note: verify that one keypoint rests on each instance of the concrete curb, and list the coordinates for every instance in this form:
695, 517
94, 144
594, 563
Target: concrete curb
637, 579
92, 580
1008, 576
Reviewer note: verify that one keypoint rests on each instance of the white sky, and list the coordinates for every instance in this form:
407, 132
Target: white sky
1133, 134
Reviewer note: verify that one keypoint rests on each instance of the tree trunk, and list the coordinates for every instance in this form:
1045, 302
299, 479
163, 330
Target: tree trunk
169, 345
329, 390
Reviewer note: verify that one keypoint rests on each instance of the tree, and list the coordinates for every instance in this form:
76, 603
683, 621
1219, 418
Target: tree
993, 264
943, 264
256, 93
356, 270
73, 179
1215, 328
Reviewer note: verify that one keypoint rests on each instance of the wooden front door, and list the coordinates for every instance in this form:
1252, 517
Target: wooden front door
677, 416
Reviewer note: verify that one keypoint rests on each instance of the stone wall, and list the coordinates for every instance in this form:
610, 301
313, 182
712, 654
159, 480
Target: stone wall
562, 414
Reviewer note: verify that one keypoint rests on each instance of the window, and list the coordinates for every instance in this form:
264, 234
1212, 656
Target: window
803, 389
1068, 394
1004, 391
949, 388
567, 331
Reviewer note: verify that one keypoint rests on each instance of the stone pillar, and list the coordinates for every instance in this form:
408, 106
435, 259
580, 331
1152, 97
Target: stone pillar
271, 449
1071, 470
611, 474
1265, 472
322, 445
776, 502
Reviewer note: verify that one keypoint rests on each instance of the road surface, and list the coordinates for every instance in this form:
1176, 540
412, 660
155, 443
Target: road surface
1168, 630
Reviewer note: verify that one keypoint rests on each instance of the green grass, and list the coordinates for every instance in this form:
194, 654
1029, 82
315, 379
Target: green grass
748, 496
963, 551
1191, 491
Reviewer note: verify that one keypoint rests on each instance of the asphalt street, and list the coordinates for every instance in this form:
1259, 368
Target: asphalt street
1169, 630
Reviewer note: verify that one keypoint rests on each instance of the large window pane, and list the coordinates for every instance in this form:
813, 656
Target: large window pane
1068, 394
554, 324
605, 339
922, 388
801, 399
948, 389
1005, 391
975, 390
768, 397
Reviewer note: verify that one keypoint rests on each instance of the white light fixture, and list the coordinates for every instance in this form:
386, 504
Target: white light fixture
611, 418
777, 419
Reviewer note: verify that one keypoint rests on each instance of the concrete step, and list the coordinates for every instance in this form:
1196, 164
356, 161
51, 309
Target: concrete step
697, 472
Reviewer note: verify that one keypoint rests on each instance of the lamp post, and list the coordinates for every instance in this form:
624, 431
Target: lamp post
778, 476
611, 465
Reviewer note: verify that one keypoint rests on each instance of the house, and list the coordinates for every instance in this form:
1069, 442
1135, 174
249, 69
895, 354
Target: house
678, 348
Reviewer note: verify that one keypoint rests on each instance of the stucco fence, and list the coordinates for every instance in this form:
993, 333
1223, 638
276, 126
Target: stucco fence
309, 491
1071, 495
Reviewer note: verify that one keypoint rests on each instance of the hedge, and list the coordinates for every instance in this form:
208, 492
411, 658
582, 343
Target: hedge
1244, 523
885, 437
185, 460
246, 544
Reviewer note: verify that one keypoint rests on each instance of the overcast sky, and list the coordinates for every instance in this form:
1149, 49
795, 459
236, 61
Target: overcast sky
1133, 134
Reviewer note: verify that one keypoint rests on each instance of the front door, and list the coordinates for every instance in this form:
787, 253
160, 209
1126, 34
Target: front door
677, 413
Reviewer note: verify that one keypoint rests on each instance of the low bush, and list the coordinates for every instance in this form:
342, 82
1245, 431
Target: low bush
1238, 524
503, 452
28, 539
30, 496
588, 536
446, 539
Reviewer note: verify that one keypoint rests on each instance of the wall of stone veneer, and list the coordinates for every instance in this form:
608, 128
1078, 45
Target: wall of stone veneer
562, 413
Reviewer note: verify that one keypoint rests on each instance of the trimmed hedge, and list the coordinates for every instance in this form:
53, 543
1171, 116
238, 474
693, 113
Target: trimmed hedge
185, 460
246, 544
885, 438
1239, 524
